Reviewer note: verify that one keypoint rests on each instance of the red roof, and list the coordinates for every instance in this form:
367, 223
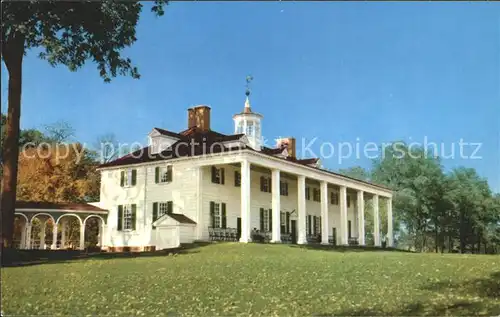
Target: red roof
202, 146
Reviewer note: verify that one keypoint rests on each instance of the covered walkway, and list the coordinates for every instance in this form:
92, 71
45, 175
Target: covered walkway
59, 215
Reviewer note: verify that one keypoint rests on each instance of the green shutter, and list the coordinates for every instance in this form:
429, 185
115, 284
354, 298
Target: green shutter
155, 211
169, 173
134, 211
120, 217
214, 171
349, 229
269, 189
122, 178
212, 214
261, 219
287, 222
157, 174
134, 177
310, 223
170, 207
222, 176
223, 215
262, 183
314, 225
271, 219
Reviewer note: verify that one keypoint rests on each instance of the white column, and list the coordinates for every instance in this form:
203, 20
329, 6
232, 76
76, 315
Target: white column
82, 236
276, 207
42, 235
27, 244
245, 202
324, 213
361, 217
301, 183
390, 234
63, 233
103, 236
23, 236
376, 224
343, 216
54, 236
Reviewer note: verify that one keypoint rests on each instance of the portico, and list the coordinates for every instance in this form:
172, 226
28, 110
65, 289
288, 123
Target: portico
326, 181
324, 207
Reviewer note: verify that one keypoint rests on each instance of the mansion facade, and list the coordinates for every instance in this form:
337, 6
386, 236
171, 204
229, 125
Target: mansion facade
199, 184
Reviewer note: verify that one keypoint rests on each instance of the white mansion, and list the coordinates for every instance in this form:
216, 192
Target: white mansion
202, 185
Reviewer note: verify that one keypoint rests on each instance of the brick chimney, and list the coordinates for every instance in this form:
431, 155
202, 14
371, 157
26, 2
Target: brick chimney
289, 143
199, 116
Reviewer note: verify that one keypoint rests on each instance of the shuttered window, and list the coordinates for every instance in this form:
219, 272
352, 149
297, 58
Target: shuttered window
163, 174
218, 175
237, 178
162, 208
128, 178
283, 188
316, 194
334, 198
218, 218
265, 220
308, 193
126, 217
265, 184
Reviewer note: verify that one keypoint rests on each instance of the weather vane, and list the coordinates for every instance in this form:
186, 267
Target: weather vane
249, 80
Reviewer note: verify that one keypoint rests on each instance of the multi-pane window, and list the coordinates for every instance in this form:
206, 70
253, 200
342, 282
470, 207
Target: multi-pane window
334, 198
163, 174
218, 175
218, 214
317, 228
316, 194
164, 208
237, 178
308, 193
265, 222
283, 188
127, 217
265, 184
128, 178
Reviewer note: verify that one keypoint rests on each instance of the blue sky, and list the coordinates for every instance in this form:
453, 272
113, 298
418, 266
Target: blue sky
337, 71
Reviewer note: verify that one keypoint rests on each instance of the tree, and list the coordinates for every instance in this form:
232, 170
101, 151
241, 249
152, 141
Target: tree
68, 33
357, 172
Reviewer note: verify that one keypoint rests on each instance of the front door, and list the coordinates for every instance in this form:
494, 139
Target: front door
238, 227
294, 231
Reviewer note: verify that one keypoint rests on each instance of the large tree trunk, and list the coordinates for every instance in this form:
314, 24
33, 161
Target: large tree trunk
12, 53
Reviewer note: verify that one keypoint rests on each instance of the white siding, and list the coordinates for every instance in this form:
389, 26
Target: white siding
185, 194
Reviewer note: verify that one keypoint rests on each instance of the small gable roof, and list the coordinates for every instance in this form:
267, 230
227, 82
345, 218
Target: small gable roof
179, 218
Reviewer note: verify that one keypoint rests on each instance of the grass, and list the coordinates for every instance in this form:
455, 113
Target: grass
237, 279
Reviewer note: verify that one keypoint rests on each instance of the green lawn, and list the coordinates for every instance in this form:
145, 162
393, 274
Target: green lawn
237, 279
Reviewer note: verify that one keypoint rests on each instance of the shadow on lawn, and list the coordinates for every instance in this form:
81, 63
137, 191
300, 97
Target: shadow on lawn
15, 257
353, 248
486, 290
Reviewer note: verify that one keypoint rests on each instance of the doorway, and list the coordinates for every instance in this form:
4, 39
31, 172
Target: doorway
294, 231
238, 228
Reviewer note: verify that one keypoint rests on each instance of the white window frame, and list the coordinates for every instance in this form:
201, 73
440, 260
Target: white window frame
127, 218
218, 175
127, 178
266, 215
163, 209
163, 174
217, 215
283, 188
